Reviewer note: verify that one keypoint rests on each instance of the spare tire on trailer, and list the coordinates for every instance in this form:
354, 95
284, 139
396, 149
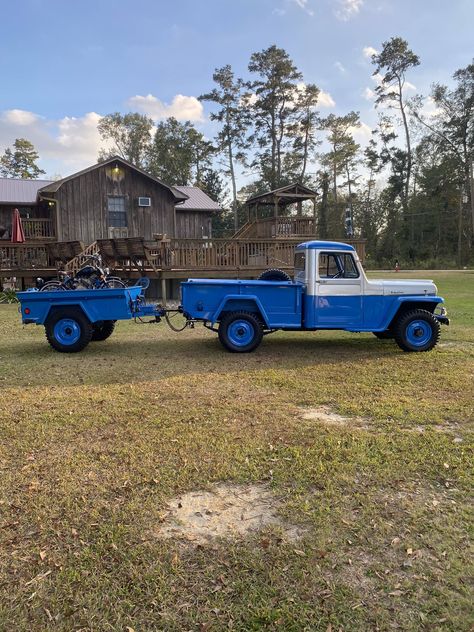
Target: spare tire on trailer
274, 274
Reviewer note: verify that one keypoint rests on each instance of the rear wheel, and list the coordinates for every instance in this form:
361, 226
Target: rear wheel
68, 330
102, 330
240, 332
417, 330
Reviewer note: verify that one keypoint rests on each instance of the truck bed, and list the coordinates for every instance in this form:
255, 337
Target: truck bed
280, 303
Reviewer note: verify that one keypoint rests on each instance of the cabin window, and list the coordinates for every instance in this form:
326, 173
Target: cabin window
300, 261
337, 266
117, 211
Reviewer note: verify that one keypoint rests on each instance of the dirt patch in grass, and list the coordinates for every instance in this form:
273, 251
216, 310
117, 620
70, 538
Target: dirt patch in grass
226, 511
326, 416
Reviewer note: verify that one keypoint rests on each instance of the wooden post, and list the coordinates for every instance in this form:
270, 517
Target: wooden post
299, 208
164, 298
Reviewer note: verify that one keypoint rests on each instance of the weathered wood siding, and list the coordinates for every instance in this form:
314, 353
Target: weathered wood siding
193, 224
83, 205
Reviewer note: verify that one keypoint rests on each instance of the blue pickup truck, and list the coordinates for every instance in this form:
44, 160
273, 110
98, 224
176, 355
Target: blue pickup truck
329, 291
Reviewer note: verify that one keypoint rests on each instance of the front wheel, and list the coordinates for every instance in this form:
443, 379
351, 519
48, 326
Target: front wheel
240, 332
68, 330
417, 330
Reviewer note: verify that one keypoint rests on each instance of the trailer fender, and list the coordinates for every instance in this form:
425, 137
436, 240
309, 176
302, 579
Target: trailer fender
239, 302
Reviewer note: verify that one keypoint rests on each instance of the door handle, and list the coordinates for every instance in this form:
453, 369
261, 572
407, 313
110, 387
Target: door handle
322, 282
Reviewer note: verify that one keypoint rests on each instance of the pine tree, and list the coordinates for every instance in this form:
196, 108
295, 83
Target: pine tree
20, 161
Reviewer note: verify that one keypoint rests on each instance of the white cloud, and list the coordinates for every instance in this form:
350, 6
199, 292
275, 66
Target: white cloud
339, 66
279, 12
347, 9
368, 51
361, 133
303, 4
19, 117
67, 144
409, 86
325, 100
368, 94
183, 108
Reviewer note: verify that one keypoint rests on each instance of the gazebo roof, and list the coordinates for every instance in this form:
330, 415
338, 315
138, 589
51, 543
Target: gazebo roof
284, 196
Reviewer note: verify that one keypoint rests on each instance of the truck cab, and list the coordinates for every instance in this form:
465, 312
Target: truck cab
338, 294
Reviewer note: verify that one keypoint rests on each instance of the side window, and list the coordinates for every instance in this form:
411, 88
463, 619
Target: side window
300, 261
117, 211
337, 266
350, 268
328, 268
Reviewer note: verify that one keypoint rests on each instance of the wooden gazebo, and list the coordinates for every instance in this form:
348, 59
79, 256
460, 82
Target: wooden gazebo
268, 212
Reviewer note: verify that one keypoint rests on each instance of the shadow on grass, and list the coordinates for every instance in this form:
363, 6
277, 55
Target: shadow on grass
122, 359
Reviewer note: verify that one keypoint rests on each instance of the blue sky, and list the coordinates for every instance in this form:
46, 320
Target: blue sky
63, 64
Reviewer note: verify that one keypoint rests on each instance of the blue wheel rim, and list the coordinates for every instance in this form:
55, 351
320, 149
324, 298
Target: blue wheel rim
241, 333
67, 331
419, 333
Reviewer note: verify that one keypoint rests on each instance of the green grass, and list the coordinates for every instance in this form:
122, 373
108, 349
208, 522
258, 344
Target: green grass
93, 445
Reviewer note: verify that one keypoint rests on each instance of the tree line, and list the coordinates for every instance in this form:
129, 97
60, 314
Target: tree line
409, 192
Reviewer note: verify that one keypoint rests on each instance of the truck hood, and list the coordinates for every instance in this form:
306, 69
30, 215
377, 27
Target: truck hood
404, 286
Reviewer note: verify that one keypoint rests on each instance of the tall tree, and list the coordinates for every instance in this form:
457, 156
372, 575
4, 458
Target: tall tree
453, 126
178, 153
231, 139
392, 64
273, 107
20, 161
128, 135
304, 129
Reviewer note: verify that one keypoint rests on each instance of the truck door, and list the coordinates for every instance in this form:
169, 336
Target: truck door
338, 300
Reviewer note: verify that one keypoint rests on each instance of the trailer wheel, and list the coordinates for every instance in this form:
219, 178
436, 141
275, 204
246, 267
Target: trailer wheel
68, 330
102, 330
240, 332
274, 274
417, 330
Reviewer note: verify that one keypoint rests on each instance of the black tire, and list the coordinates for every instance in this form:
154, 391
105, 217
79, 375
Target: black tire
102, 330
417, 330
114, 282
62, 320
240, 332
274, 275
52, 286
384, 335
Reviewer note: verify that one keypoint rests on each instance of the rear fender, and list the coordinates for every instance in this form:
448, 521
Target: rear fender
239, 302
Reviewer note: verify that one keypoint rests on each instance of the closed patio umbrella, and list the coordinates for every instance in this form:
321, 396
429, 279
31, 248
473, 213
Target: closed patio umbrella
18, 234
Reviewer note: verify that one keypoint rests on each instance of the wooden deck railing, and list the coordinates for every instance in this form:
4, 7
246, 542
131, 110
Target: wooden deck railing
39, 228
20, 257
286, 227
189, 254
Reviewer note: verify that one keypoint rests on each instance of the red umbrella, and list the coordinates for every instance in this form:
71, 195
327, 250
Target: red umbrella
18, 234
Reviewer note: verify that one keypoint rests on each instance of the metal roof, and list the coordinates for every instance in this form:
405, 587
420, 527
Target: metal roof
197, 200
15, 191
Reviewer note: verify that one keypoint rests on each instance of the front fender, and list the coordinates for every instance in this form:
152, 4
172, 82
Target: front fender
403, 301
